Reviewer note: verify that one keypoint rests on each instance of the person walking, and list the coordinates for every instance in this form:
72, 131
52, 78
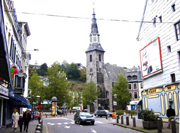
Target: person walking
170, 114
20, 122
26, 119
15, 118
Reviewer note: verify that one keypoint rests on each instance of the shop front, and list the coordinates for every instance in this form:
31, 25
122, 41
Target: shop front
159, 98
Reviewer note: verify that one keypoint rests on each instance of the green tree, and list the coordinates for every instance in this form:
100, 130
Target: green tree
90, 93
121, 90
36, 87
58, 86
73, 71
83, 75
43, 69
64, 66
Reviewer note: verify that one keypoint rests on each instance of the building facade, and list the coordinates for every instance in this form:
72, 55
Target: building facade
135, 86
159, 42
13, 76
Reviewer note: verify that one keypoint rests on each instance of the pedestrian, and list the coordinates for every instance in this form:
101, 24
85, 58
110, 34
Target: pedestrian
20, 122
26, 119
15, 118
170, 114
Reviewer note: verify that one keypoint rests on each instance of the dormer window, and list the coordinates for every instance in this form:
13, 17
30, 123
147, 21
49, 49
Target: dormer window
173, 8
99, 57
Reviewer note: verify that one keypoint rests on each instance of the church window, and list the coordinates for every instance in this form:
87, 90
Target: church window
99, 57
91, 70
98, 39
90, 38
99, 69
94, 38
134, 77
129, 77
90, 58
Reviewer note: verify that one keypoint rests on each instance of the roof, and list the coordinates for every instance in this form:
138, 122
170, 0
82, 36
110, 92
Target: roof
95, 47
113, 71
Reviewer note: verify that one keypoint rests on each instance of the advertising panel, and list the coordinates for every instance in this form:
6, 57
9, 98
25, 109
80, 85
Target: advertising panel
53, 108
150, 58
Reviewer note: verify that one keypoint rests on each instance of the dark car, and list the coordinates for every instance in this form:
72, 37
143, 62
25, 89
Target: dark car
83, 118
60, 112
102, 113
84, 110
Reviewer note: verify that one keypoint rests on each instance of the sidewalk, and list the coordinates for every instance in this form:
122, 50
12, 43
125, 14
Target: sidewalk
31, 129
139, 126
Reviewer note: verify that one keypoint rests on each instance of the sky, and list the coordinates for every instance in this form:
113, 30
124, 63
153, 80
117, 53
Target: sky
60, 38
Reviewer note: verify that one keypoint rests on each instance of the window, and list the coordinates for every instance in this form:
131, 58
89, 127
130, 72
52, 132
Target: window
130, 95
134, 77
135, 86
94, 38
130, 86
99, 57
160, 19
12, 50
168, 49
178, 57
90, 38
177, 30
129, 77
91, 70
135, 95
90, 58
99, 69
173, 78
98, 39
173, 7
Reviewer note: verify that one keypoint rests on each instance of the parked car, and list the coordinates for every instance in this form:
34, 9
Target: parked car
102, 113
84, 110
35, 115
83, 118
60, 112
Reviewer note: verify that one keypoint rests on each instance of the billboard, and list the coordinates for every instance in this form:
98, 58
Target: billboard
150, 58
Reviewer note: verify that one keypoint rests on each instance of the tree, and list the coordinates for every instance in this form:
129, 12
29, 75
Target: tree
64, 66
43, 69
36, 87
73, 71
83, 75
121, 90
58, 86
90, 93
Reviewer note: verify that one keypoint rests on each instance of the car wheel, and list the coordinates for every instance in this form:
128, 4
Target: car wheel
80, 123
100, 116
92, 123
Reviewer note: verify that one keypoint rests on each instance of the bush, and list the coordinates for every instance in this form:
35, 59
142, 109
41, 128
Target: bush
133, 112
148, 115
119, 112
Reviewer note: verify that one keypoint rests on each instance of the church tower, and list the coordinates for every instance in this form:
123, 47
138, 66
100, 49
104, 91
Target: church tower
95, 61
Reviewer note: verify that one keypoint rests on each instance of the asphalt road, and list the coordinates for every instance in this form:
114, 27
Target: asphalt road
67, 125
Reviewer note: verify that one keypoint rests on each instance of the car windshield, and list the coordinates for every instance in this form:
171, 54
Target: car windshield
85, 114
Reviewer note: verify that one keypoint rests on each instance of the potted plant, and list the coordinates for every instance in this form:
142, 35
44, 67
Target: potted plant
149, 119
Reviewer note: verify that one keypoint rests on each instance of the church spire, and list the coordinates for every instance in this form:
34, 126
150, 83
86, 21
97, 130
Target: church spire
94, 28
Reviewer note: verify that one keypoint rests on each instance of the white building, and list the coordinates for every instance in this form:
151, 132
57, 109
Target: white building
159, 42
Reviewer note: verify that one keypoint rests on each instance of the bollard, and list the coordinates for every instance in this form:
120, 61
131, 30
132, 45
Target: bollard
122, 122
117, 118
127, 120
37, 131
173, 126
159, 125
134, 122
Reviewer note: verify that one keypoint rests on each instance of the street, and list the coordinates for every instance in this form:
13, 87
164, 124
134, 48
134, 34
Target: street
67, 125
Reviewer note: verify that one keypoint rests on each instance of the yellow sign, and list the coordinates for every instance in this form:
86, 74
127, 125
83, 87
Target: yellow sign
170, 88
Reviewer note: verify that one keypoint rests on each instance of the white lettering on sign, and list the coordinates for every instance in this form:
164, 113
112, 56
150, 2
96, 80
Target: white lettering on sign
3, 90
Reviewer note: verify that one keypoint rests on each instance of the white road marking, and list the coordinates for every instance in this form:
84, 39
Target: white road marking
92, 130
59, 124
98, 122
52, 123
65, 123
67, 127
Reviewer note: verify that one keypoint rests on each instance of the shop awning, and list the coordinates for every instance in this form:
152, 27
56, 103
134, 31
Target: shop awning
22, 101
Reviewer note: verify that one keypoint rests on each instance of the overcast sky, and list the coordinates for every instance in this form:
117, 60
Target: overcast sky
61, 38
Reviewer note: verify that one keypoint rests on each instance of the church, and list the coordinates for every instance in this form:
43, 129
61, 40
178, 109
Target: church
103, 75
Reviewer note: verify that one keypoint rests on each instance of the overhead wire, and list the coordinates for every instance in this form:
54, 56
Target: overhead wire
74, 17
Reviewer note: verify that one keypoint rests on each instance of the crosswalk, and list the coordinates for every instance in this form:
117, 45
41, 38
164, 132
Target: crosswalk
68, 123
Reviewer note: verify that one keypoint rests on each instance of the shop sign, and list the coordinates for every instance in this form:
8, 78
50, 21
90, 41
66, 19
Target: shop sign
3, 90
151, 91
170, 87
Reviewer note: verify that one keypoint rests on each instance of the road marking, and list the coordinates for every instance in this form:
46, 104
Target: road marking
59, 124
92, 130
98, 122
67, 127
65, 123
52, 124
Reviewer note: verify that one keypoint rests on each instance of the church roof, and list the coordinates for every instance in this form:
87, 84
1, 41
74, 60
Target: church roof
95, 47
113, 71
94, 27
